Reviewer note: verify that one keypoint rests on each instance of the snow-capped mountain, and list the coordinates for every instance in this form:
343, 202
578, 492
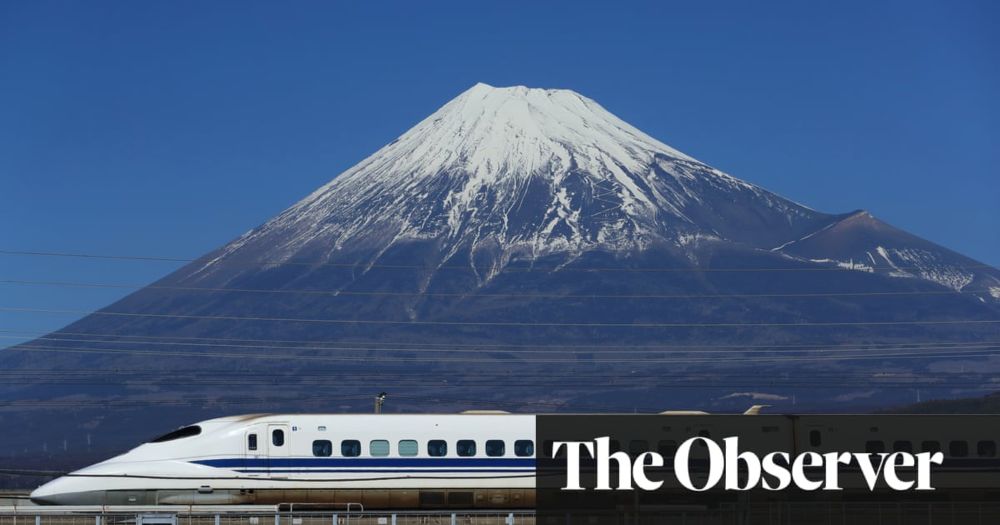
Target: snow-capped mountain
502, 174
528, 246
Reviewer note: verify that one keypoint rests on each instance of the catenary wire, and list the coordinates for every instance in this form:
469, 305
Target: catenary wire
378, 293
473, 345
495, 323
817, 348
447, 267
984, 352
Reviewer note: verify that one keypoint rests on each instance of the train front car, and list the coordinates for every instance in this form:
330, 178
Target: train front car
379, 461
160, 471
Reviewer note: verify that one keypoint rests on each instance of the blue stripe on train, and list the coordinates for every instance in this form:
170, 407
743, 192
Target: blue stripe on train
365, 462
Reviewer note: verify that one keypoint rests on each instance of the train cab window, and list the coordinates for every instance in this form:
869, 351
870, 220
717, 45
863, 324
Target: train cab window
408, 447
986, 449
350, 448
378, 448
930, 446
322, 448
465, 447
667, 448
252, 442
191, 431
437, 448
638, 446
815, 438
278, 437
495, 447
874, 447
902, 446
524, 448
958, 449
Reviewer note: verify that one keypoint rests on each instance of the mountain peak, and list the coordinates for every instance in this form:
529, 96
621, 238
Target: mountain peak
526, 172
520, 130
514, 91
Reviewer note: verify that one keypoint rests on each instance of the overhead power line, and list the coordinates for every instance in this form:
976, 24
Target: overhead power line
535, 351
862, 355
423, 322
379, 293
382, 374
205, 385
594, 347
532, 268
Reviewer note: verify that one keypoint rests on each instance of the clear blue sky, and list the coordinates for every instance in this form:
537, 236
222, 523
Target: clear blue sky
168, 128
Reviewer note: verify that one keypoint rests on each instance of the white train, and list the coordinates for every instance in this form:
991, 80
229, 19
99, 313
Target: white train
402, 461
468, 460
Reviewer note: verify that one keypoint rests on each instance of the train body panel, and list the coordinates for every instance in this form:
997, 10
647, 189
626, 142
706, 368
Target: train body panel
318, 458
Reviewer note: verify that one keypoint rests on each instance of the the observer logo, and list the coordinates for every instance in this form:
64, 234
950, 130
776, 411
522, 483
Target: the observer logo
745, 470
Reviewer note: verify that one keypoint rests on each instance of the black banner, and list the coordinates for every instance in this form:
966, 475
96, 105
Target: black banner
768, 469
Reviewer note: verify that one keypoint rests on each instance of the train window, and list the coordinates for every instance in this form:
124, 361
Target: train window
874, 447
666, 447
408, 447
193, 430
986, 449
958, 449
278, 437
437, 448
378, 448
524, 447
495, 447
350, 448
252, 442
461, 498
638, 446
427, 498
322, 448
902, 446
930, 446
465, 447
815, 438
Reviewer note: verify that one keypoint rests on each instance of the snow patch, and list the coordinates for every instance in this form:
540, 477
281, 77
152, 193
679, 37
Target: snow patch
847, 265
926, 265
761, 396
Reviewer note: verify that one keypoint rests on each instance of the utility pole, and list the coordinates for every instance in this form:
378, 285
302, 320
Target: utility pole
379, 401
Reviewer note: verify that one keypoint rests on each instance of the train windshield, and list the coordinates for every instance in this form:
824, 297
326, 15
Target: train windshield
193, 430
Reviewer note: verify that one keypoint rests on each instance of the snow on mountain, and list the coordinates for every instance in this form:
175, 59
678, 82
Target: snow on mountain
526, 173
504, 174
861, 242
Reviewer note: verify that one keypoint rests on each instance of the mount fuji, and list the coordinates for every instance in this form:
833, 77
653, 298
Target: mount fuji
502, 175
526, 249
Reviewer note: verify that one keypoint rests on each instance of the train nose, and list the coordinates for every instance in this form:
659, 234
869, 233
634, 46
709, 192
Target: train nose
61, 491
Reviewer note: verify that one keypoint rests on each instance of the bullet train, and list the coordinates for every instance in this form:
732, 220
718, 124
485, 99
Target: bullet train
387, 461
478, 459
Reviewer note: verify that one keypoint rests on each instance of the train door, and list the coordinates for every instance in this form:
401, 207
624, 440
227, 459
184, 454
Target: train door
255, 451
278, 447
